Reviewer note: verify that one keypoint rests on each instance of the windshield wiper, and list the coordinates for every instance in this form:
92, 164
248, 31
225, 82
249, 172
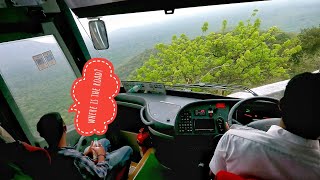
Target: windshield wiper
216, 86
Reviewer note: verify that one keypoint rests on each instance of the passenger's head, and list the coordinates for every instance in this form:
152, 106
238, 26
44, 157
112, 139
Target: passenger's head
51, 127
300, 105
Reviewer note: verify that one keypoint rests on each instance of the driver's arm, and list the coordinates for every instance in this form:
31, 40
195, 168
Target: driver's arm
218, 161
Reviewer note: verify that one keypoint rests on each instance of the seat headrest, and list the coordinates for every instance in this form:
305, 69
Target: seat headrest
34, 148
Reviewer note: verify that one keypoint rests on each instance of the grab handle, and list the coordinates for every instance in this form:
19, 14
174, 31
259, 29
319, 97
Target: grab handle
146, 122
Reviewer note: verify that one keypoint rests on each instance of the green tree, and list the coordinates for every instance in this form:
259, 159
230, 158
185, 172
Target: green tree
309, 58
224, 26
310, 39
204, 27
245, 55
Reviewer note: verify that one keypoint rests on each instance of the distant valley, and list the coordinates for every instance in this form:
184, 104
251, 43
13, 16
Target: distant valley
130, 46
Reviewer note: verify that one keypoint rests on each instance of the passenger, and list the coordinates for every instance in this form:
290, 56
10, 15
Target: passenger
288, 151
52, 128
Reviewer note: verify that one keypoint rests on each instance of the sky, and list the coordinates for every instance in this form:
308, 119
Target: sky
115, 22
122, 21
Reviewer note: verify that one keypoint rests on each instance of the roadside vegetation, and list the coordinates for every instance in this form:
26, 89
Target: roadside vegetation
244, 55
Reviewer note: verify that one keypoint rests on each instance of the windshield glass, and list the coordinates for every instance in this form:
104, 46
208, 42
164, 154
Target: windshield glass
258, 45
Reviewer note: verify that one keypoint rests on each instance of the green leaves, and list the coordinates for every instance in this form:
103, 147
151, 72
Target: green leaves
310, 39
205, 26
245, 55
224, 25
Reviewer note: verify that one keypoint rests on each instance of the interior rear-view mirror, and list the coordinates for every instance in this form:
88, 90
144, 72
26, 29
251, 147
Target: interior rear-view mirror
98, 34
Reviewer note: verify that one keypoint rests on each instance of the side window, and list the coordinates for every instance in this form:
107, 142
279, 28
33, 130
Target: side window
39, 78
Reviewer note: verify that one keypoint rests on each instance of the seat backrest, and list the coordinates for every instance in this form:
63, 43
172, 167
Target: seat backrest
34, 149
35, 163
224, 175
119, 173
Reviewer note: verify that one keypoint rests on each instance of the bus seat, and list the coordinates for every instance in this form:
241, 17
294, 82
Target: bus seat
224, 175
34, 149
123, 173
119, 173
32, 161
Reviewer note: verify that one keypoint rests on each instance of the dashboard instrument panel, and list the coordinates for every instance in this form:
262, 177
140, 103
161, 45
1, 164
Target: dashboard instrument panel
203, 118
209, 117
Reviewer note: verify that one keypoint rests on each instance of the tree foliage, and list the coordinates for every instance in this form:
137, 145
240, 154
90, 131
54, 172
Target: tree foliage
245, 55
205, 27
309, 58
310, 39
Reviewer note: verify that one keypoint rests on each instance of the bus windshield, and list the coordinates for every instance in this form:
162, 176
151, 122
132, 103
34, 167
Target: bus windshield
248, 44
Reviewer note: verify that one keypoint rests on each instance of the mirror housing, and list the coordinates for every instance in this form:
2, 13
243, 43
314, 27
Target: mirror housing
98, 34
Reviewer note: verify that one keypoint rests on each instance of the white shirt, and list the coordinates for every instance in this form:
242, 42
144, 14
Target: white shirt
275, 154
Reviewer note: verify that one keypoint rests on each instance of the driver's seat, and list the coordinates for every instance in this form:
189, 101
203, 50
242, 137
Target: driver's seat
224, 175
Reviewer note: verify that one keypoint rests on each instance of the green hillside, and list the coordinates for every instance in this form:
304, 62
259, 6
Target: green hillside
244, 55
126, 43
132, 43
123, 71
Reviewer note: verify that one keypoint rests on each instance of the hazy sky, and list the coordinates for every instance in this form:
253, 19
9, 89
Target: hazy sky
115, 22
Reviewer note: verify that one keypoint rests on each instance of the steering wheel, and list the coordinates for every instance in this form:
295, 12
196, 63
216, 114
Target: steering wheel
261, 125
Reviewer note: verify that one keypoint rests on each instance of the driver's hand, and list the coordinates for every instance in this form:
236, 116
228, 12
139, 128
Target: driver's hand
227, 126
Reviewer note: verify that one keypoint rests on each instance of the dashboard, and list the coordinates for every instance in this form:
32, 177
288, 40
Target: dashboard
172, 116
203, 117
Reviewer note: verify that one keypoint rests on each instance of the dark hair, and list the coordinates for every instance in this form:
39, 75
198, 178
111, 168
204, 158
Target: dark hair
50, 127
300, 105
